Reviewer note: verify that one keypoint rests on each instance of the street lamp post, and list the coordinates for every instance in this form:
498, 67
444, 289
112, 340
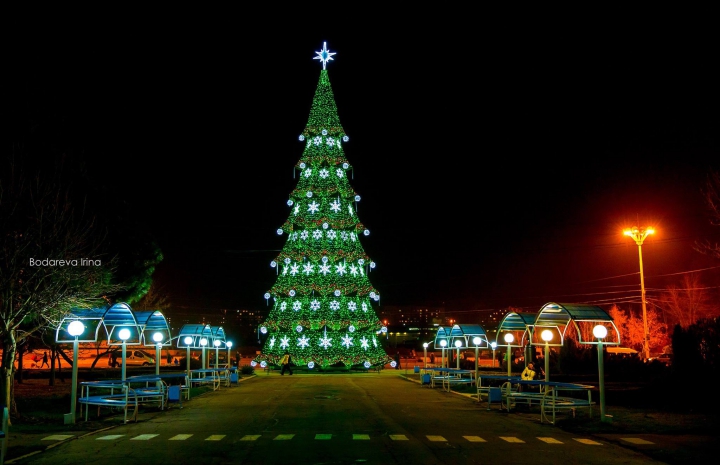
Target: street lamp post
600, 332
188, 340
443, 343
547, 337
509, 338
157, 337
124, 335
458, 343
639, 235
203, 344
229, 345
493, 346
216, 343
425, 346
75, 329
476, 341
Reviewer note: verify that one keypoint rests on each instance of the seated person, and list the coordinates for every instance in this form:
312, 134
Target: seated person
528, 372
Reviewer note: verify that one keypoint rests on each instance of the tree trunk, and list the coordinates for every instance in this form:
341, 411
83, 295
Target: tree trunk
8, 372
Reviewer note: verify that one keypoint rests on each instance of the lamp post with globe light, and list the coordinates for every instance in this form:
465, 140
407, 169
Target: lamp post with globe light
157, 337
124, 335
509, 338
600, 332
443, 343
188, 341
425, 346
547, 336
476, 341
639, 235
217, 343
458, 344
229, 345
75, 329
493, 346
203, 344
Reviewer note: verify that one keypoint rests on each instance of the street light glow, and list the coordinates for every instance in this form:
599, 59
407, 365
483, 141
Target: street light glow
639, 235
76, 328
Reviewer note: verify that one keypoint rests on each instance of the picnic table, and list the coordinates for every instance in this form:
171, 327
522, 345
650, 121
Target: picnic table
552, 397
450, 376
214, 376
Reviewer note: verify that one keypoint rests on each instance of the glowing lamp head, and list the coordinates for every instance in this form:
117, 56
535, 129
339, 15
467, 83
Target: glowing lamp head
509, 338
216, 342
546, 335
477, 341
229, 344
124, 334
600, 331
425, 345
203, 342
493, 345
443, 343
187, 340
76, 328
158, 337
458, 343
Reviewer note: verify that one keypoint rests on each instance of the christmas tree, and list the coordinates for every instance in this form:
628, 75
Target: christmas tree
322, 300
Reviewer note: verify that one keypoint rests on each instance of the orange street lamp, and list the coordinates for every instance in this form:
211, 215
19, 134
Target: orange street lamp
639, 235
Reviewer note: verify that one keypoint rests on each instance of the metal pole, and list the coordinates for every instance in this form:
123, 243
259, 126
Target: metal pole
601, 373
124, 358
476, 363
547, 361
646, 342
157, 359
187, 360
74, 379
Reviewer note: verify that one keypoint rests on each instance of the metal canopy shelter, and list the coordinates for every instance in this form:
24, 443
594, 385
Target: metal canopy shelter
520, 325
198, 332
107, 321
559, 318
153, 322
466, 333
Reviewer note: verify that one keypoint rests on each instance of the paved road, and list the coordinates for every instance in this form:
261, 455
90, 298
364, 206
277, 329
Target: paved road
373, 418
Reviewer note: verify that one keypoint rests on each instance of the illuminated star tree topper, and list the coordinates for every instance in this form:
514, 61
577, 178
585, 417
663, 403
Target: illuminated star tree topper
324, 55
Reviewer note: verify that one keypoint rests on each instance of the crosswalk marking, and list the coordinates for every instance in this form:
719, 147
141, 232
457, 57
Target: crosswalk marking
57, 437
636, 441
110, 437
589, 442
550, 440
355, 437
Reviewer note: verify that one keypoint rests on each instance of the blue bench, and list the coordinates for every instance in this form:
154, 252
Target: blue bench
113, 395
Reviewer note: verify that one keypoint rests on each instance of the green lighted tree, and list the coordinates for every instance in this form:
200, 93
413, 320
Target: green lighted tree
321, 302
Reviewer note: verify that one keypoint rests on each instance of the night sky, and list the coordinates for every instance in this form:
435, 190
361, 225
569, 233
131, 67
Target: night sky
496, 168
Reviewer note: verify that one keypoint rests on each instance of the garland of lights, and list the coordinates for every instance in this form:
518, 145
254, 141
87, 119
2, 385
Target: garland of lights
322, 299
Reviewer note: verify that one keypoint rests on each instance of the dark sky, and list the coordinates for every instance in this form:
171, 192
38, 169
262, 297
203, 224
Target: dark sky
497, 166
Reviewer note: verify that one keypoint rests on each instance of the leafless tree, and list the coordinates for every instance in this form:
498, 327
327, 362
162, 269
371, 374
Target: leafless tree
51, 261
712, 199
688, 304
